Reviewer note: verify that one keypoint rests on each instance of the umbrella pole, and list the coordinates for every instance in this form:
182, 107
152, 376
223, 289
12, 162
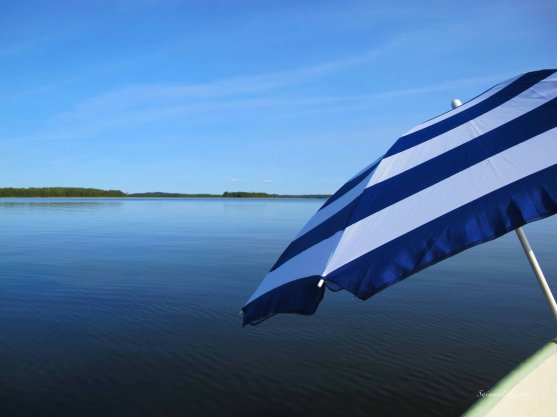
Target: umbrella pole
537, 270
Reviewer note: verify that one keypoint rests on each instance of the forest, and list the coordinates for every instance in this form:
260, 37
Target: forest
59, 192
94, 192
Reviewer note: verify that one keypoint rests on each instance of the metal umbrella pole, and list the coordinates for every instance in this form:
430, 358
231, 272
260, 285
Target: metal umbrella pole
537, 270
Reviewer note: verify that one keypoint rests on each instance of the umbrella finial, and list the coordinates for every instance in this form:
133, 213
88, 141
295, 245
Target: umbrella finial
456, 103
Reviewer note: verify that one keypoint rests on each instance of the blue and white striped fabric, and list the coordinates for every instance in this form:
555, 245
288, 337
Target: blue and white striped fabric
463, 178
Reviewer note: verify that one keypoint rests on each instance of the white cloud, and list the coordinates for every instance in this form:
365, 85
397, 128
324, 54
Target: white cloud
137, 105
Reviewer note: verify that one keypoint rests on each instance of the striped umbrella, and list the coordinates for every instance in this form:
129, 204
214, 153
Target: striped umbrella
468, 176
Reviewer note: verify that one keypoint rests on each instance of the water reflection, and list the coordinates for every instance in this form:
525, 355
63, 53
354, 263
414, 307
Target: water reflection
125, 307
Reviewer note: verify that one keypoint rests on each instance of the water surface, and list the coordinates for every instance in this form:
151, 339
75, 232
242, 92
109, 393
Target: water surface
129, 307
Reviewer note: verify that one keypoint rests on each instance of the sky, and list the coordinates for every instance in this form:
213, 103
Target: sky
289, 97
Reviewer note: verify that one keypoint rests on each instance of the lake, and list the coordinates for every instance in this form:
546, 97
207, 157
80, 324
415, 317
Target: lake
130, 307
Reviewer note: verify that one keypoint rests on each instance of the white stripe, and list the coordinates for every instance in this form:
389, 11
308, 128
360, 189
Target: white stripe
462, 188
516, 107
464, 106
337, 205
306, 264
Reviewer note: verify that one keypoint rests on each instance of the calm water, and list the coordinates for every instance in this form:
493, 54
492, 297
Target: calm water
130, 308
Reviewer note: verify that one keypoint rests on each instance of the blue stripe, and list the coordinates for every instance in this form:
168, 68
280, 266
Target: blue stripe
422, 176
512, 90
529, 199
301, 296
350, 184
328, 228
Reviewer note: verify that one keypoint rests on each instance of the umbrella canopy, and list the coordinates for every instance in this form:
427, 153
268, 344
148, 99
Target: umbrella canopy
453, 182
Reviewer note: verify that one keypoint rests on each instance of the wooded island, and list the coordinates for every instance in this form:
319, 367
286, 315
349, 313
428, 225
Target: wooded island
59, 192
94, 192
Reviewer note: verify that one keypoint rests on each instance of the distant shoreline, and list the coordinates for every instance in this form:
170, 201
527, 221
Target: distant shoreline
292, 197
75, 192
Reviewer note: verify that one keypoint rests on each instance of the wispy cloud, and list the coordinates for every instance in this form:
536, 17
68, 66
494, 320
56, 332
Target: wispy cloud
136, 105
63, 83
154, 94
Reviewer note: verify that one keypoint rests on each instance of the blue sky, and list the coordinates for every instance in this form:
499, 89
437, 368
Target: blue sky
210, 96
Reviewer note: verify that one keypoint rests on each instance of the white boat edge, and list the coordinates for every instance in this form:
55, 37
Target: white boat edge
529, 390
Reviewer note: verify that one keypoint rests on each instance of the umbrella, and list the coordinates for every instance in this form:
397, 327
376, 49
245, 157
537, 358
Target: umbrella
468, 176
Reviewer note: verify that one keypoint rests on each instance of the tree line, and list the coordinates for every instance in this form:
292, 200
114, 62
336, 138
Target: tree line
171, 195
59, 192
94, 192
244, 194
